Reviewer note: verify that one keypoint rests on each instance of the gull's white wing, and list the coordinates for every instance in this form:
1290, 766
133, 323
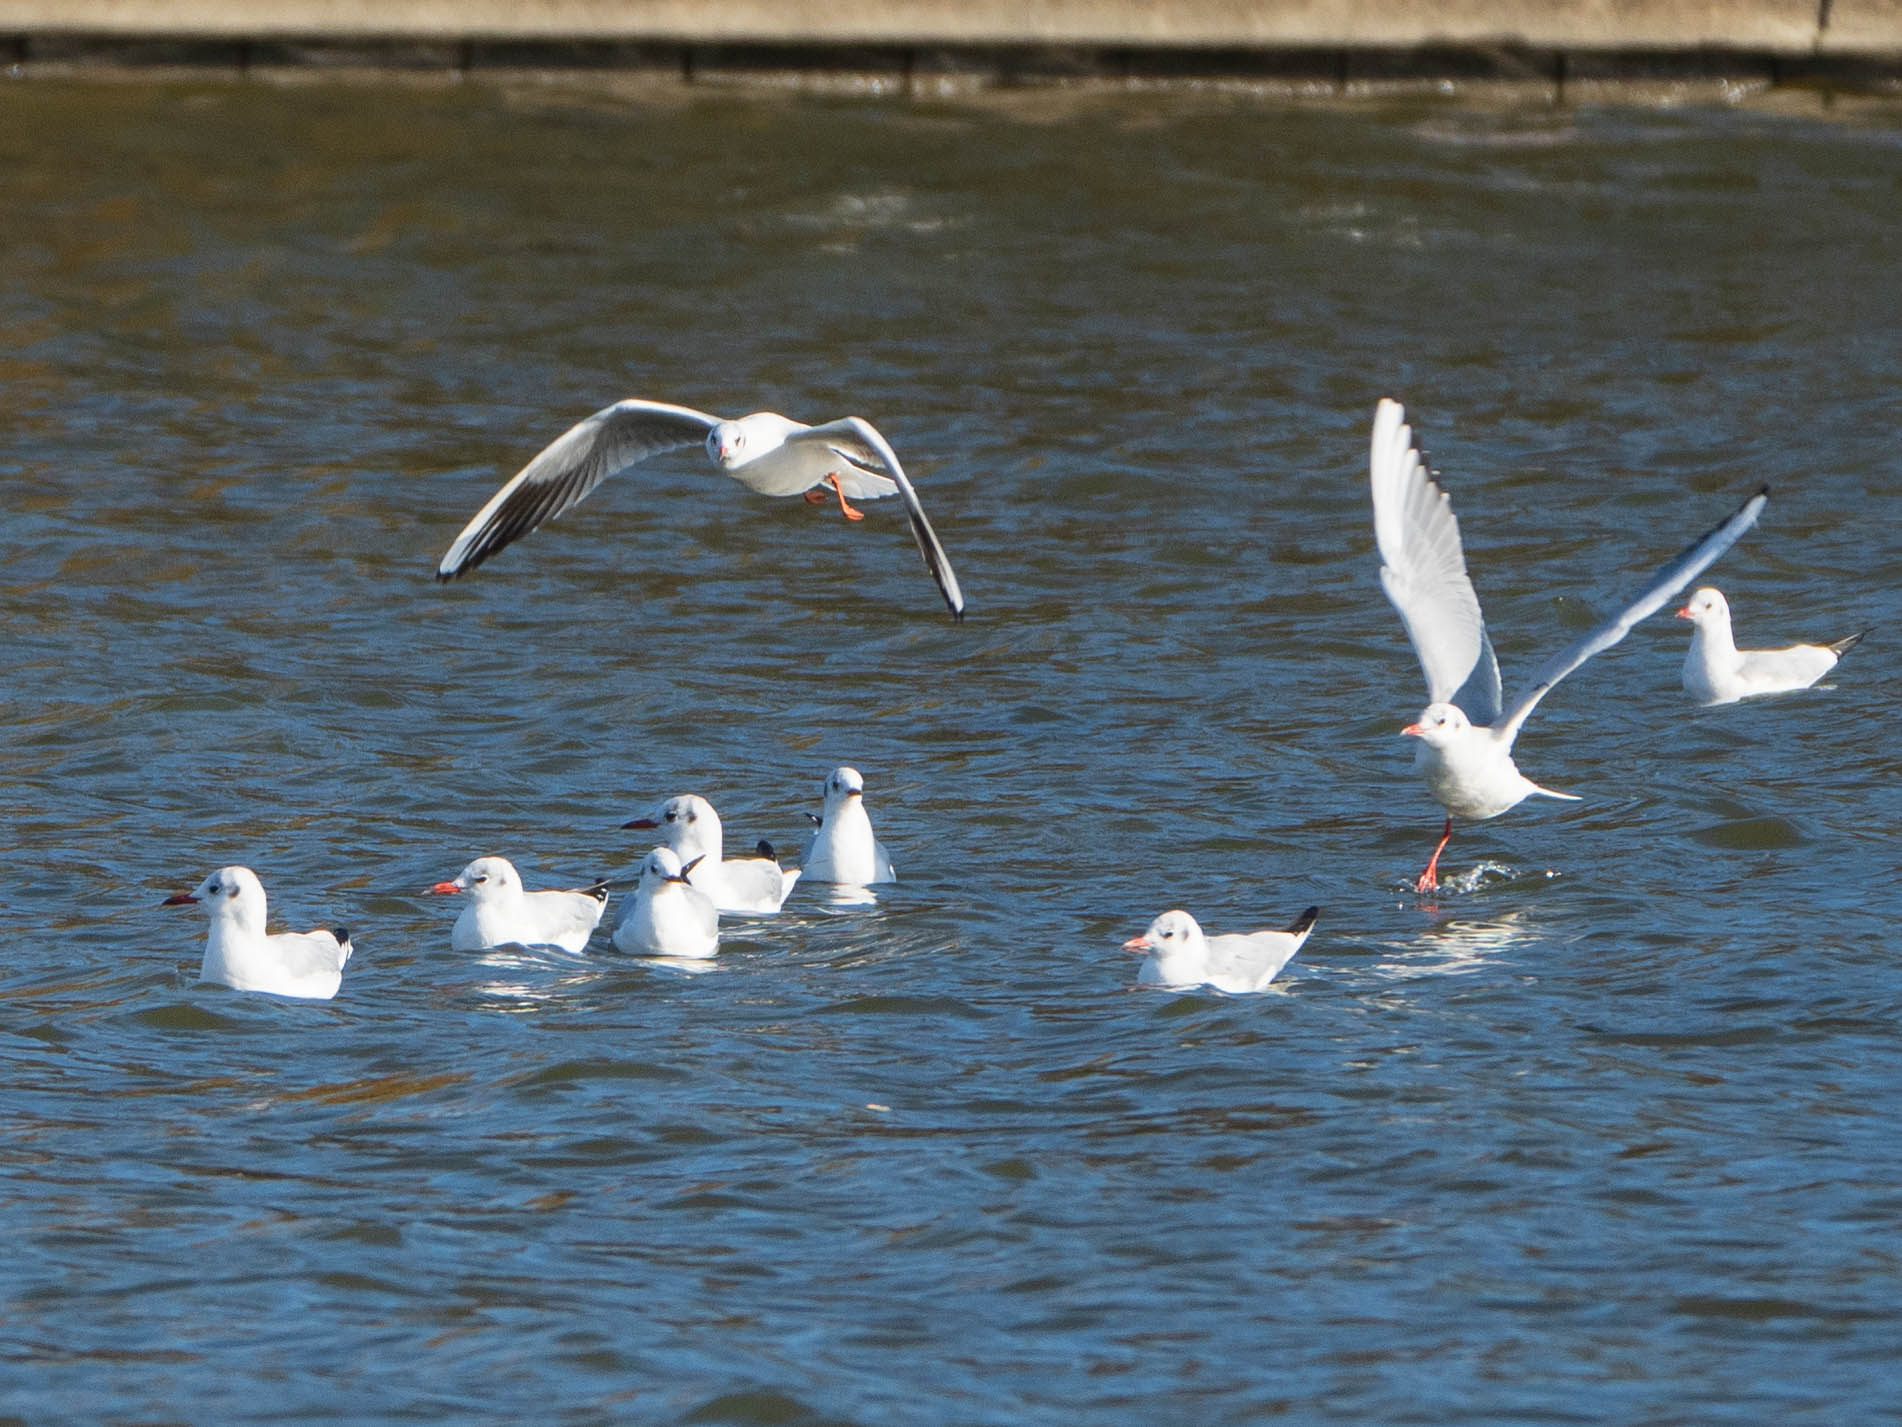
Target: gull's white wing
310, 956
1423, 571
573, 464
1696, 557
858, 441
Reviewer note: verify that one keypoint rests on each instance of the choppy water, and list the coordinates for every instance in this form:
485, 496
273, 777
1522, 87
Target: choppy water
1609, 1138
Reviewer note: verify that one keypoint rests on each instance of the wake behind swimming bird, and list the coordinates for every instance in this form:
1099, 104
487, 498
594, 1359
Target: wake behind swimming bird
500, 912
764, 452
667, 916
1179, 954
1716, 671
1466, 737
239, 954
750, 885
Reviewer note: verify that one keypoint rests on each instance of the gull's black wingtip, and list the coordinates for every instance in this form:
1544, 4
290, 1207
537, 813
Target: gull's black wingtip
1305, 920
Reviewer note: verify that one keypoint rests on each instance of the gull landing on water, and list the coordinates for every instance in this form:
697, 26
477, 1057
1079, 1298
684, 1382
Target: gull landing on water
501, 913
1465, 733
238, 954
764, 452
1716, 671
1180, 954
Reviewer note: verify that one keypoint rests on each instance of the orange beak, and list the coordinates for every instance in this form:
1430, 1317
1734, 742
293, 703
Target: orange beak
1138, 945
1413, 729
445, 889
1685, 613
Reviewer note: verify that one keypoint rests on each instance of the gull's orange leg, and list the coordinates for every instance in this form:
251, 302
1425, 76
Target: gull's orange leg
851, 511
1430, 879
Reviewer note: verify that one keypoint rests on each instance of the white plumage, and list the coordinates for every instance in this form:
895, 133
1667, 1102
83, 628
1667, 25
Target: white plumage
1466, 734
764, 452
239, 953
500, 912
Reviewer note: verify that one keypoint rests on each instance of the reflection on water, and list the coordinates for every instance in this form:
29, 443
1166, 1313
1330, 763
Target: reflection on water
530, 976
268, 348
1459, 946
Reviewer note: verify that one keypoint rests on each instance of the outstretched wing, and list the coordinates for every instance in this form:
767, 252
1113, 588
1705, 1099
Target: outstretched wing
573, 464
1423, 571
1696, 557
858, 441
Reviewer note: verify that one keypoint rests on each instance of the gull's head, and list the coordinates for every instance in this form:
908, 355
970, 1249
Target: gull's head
228, 892
727, 442
1438, 724
482, 879
843, 783
685, 821
1706, 607
1172, 933
661, 867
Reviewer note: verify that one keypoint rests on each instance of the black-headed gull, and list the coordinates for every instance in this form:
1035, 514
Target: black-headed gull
1178, 953
844, 848
689, 825
1716, 671
764, 452
1465, 734
240, 954
501, 913
667, 916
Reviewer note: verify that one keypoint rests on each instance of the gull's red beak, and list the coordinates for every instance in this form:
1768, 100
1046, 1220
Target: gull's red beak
1138, 944
1414, 729
1685, 613
642, 822
445, 889
179, 900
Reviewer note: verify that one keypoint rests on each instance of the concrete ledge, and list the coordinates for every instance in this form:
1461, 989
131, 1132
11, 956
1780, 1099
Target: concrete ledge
1770, 26
1729, 47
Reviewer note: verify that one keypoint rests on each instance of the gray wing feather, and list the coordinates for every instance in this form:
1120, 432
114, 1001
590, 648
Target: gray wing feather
858, 441
571, 465
1423, 571
1691, 562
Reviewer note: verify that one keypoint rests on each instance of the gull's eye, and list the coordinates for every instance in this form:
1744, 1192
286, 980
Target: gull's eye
482, 877
216, 889
672, 816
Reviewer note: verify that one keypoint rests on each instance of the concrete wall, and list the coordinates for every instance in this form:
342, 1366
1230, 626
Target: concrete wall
1770, 26
1565, 47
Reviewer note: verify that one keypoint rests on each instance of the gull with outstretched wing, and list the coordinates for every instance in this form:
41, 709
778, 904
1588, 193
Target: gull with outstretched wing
1465, 732
764, 452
